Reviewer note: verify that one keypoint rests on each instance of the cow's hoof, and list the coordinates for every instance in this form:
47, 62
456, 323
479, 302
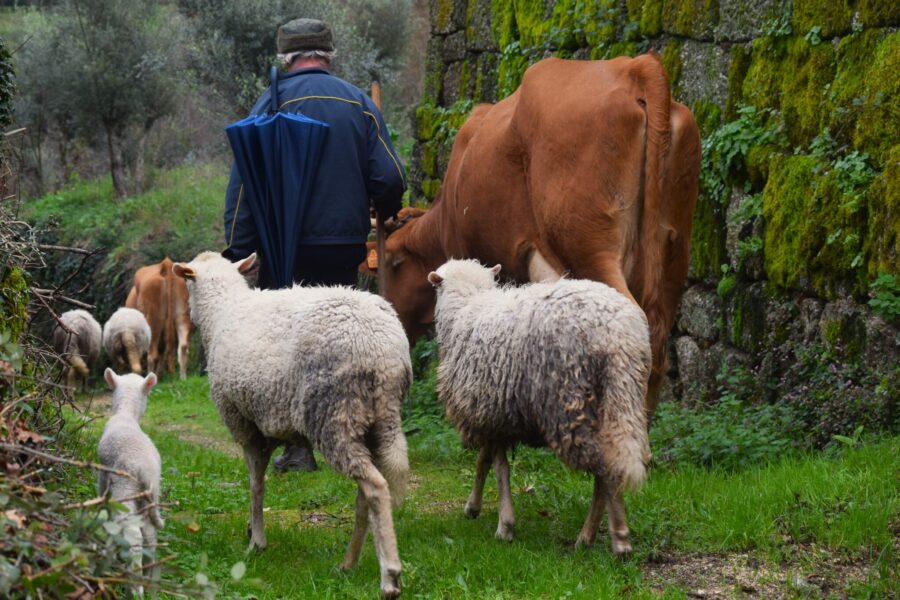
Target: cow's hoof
472, 511
390, 584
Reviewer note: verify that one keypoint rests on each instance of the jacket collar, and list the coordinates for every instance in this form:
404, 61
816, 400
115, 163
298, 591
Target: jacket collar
306, 71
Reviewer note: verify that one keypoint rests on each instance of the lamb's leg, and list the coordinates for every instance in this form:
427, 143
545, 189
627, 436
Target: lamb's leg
618, 527
257, 459
482, 466
360, 528
507, 520
378, 497
592, 522
149, 533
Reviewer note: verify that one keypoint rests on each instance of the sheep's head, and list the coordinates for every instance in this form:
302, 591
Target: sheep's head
211, 274
469, 274
129, 392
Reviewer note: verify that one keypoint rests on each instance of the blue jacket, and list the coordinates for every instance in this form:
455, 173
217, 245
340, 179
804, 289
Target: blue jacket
358, 165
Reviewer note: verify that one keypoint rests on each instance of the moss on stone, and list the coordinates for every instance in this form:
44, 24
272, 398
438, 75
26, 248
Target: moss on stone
429, 159
762, 85
882, 245
832, 17
879, 13
876, 128
813, 233
809, 71
708, 116
671, 60
431, 187
737, 71
708, 237
426, 121
651, 18
692, 18
747, 317
14, 297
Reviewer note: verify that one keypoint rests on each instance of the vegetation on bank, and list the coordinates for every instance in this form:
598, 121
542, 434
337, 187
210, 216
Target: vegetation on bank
795, 516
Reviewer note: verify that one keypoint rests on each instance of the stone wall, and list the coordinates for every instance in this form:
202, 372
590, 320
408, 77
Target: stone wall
798, 222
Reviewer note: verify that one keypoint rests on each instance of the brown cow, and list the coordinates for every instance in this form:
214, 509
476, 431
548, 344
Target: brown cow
589, 169
163, 298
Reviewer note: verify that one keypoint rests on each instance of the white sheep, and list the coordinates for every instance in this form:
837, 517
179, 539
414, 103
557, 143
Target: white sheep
80, 346
325, 364
562, 364
126, 338
123, 446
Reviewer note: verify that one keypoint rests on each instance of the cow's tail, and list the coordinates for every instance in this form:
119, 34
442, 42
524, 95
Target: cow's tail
657, 104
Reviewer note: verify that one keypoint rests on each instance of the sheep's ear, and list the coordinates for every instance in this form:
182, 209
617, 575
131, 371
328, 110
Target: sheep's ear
183, 271
149, 382
111, 379
495, 270
247, 264
435, 279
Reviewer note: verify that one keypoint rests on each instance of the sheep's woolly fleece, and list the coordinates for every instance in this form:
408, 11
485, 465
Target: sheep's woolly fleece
328, 363
126, 319
564, 364
86, 343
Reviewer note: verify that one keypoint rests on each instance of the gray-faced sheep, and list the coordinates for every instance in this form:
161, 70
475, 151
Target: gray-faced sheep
325, 364
80, 346
123, 446
126, 338
561, 364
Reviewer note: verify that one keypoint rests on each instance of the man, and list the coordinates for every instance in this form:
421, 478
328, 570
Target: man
358, 166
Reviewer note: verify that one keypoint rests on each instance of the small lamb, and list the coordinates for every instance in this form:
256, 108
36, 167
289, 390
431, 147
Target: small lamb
126, 338
562, 364
80, 348
325, 364
125, 447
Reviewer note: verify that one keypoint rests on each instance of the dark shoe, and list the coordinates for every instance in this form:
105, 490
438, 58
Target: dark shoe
295, 458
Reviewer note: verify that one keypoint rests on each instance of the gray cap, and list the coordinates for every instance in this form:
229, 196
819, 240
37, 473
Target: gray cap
305, 34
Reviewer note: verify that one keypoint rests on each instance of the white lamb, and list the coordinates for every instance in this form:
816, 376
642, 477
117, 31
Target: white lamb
126, 338
125, 447
80, 346
561, 364
328, 364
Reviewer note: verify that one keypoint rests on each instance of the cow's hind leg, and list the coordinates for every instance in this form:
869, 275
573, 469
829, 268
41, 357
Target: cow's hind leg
618, 527
482, 466
507, 519
592, 523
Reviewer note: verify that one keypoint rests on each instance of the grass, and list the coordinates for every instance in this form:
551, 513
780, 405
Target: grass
794, 516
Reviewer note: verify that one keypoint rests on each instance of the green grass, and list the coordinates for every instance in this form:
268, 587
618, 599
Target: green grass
845, 505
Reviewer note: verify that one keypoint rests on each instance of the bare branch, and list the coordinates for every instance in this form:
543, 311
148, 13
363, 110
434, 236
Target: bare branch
68, 461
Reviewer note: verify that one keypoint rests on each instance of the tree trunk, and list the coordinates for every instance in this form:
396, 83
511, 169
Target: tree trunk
140, 158
116, 168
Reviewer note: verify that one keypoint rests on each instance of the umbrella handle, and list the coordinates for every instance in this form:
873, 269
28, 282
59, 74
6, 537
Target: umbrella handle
273, 90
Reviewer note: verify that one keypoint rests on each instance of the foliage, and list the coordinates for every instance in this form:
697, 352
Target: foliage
727, 281
7, 85
725, 151
885, 296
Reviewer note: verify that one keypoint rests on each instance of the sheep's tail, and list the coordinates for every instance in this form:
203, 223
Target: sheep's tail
134, 357
624, 439
391, 458
77, 363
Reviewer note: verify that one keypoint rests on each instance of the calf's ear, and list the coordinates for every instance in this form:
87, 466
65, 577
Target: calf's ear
435, 279
110, 376
183, 271
247, 264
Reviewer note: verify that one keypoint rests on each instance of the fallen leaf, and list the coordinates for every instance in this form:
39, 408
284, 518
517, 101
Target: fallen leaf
193, 527
17, 517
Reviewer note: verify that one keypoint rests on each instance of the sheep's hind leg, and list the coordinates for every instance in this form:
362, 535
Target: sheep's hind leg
592, 522
507, 519
360, 528
482, 466
618, 527
257, 459
378, 498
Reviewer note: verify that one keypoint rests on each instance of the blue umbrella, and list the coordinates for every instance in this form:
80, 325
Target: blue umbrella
277, 156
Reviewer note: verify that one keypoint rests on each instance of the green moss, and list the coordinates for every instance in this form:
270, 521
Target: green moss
757, 164
831, 16
876, 127
737, 71
431, 187
14, 297
707, 239
692, 18
748, 318
882, 246
879, 13
708, 116
846, 334
427, 121
813, 232
513, 63
810, 69
651, 18
443, 10
429, 159
671, 60
762, 85
465, 80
